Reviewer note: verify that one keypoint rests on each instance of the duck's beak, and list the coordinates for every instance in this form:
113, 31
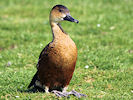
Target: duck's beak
69, 18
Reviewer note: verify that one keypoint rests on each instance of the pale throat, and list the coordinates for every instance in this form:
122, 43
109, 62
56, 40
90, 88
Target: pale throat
56, 30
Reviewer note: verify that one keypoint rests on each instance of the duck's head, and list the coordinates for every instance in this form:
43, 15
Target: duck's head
60, 13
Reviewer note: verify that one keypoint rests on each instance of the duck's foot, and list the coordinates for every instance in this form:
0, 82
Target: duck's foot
66, 94
60, 94
77, 94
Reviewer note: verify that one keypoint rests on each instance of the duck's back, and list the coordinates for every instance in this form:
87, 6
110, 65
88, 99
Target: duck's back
57, 62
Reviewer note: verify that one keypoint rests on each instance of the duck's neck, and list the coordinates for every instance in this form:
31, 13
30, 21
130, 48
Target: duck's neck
57, 30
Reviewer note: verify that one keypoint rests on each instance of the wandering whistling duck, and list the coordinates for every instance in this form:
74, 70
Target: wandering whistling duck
58, 59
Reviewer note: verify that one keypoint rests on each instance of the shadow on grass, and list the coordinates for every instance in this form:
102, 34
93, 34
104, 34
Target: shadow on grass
38, 89
32, 90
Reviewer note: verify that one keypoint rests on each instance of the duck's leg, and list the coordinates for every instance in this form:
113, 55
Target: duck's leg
46, 89
64, 93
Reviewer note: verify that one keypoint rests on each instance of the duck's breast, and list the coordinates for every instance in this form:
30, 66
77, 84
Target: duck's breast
64, 52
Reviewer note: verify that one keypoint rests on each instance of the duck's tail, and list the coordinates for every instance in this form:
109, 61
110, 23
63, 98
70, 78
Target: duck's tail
33, 80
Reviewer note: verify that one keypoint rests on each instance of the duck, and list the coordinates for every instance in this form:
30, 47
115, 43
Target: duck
57, 60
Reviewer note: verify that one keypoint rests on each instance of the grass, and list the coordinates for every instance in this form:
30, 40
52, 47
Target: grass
104, 38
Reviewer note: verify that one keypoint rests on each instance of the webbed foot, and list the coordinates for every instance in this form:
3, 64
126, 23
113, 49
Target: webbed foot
66, 94
60, 94
77, 94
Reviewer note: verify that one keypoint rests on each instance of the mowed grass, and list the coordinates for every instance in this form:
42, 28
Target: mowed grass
104, 38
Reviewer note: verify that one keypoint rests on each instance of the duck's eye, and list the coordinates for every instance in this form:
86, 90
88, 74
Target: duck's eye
60, 10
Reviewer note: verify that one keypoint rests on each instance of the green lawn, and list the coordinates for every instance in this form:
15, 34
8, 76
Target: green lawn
104, 38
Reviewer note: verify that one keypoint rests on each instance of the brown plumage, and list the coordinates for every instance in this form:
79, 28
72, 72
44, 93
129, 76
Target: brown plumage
58, 59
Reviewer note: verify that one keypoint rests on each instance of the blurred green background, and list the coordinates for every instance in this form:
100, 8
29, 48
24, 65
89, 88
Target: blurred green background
104, 38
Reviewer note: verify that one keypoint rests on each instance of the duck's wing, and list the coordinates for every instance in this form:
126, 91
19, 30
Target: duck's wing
43, 55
